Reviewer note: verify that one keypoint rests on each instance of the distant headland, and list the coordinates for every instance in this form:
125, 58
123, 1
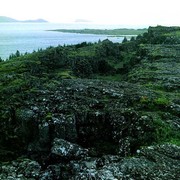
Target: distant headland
4, 19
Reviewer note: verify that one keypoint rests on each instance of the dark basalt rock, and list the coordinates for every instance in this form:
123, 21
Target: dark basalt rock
91, 129
20, 169
64, 149
152, 162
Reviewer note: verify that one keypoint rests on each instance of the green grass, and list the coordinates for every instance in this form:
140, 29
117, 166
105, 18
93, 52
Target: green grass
175, 141
161, 101
65, 74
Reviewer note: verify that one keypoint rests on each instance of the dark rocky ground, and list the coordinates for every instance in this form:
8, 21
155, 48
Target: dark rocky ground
97, 129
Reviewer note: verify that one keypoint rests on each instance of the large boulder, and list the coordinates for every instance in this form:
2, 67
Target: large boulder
62, 149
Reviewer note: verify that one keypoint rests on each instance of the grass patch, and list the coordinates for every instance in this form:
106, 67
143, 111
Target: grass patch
162, 101
65, 74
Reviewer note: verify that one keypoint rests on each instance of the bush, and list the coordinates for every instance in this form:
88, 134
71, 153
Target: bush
82, 68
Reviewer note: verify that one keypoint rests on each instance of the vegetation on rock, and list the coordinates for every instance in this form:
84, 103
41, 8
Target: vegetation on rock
104, 110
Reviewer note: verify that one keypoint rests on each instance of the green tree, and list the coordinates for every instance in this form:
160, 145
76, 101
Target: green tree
132, 38
17, 53
124, 40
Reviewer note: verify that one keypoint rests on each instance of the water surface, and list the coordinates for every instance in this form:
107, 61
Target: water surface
27, 37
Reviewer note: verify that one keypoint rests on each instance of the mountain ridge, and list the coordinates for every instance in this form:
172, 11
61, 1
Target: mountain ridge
4, 19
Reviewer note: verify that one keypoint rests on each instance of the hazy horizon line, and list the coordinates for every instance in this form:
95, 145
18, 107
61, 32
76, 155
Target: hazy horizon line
89, 22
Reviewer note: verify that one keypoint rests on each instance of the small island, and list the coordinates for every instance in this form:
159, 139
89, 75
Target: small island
109, 32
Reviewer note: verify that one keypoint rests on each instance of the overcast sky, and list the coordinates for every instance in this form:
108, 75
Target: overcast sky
123, 12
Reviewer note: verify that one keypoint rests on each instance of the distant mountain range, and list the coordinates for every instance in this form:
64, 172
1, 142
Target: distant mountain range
4, 19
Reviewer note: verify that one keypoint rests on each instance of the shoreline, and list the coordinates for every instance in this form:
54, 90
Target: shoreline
110, 32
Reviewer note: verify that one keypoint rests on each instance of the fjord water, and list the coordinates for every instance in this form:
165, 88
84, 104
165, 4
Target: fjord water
27, 37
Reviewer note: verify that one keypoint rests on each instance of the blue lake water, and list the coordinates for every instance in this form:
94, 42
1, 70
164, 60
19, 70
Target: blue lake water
27, 37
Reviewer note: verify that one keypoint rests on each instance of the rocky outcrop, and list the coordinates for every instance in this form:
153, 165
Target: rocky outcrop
87, 128
153, 162
150, 163
89, 113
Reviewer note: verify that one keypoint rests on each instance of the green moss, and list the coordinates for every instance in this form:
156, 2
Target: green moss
48, 116
161, 101
165, 133
175, 141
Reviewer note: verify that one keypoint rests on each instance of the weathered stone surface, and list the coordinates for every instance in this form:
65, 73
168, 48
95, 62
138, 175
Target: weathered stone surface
64, 149
150, 163
20, 170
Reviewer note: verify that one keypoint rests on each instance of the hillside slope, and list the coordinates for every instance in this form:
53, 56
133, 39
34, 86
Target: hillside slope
93, 111
7, 19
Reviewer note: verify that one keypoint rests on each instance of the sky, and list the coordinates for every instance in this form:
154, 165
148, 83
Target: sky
122, 12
